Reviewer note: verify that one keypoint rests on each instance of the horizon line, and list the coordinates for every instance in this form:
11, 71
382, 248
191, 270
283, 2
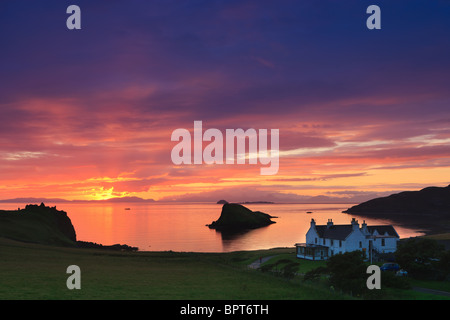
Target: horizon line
141, 200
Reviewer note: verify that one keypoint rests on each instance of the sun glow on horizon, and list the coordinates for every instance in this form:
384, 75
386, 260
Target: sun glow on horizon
105, 194
358, 118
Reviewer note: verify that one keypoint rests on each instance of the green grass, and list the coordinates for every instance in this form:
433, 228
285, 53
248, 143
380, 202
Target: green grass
32, 271
431, 284
244, 258
283, 258
304, 265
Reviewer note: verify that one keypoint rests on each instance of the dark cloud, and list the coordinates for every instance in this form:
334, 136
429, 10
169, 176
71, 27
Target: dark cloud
104, 100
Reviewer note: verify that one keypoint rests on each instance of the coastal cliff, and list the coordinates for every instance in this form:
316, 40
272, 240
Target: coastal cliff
38, 224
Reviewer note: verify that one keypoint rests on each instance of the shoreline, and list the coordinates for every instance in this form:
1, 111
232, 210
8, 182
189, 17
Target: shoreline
425, 225
430, 225
124, 248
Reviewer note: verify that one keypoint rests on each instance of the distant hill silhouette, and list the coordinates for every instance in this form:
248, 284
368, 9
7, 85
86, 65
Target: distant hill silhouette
235, 217
427, 209
58, 200
34, 200
431, 201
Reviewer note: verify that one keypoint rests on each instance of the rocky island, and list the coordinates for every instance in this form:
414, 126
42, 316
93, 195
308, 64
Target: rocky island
246, 202
235, 217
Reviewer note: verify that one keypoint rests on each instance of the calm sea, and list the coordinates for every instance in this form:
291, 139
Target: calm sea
182, 226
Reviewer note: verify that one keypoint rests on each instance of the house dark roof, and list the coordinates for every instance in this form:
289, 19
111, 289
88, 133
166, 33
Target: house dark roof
383, 229
341, 231
336, 232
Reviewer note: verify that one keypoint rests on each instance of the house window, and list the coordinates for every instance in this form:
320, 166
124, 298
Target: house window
315, 240
360, 244
331, 242
340, 243
382, 242
323, 240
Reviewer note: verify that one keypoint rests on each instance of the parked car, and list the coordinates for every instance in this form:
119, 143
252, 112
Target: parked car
390, 267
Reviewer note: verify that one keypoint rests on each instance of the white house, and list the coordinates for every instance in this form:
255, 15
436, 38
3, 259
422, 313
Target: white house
323, 241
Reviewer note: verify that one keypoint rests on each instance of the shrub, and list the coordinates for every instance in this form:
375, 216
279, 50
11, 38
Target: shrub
290, 270
420, 257
314, 274
348, 272
389, 279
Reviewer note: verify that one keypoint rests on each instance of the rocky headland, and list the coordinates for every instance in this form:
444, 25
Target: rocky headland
428, 209
46, 225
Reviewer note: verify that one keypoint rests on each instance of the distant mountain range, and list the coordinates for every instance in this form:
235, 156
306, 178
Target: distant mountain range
58, 200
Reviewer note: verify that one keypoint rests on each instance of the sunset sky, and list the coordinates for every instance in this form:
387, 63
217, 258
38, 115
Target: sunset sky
88, 114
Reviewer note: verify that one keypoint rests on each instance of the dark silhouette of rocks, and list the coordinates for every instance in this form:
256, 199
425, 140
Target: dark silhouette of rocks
114, 247
246, 202
39, 224
46, 225
235, 217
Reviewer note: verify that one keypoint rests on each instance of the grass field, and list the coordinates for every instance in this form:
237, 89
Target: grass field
33, 271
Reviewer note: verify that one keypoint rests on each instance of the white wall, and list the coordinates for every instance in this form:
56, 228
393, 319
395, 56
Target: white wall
390, 244
311, 235
352, 242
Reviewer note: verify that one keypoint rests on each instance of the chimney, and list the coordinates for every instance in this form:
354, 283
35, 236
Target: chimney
329, 223
355, 224
364, 227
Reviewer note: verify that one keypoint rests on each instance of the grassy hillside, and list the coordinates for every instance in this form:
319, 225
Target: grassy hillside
35, 268
33, 271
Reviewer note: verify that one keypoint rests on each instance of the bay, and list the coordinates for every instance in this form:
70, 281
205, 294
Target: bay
182, 226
